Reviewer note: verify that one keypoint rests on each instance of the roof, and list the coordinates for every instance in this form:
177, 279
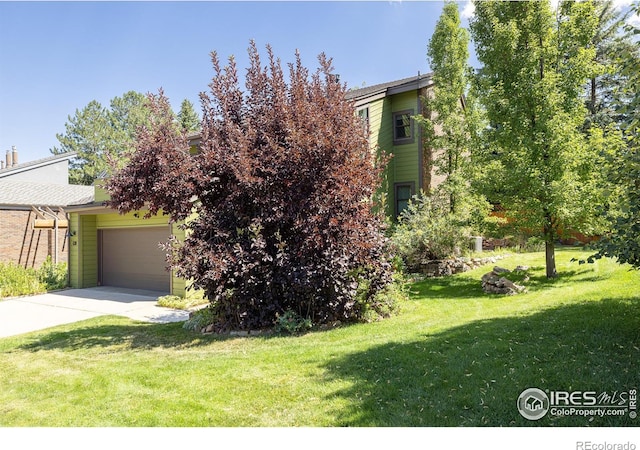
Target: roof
370, 93
35, 164
20, 193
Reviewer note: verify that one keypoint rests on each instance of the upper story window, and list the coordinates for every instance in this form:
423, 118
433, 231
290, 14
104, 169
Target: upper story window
402, 127
363, 115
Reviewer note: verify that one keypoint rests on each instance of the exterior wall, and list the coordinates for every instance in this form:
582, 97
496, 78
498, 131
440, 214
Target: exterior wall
83, 253
405, 165
84, 244
21, 244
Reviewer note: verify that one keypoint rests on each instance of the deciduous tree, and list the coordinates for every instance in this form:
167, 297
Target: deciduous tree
535, 65
278, 197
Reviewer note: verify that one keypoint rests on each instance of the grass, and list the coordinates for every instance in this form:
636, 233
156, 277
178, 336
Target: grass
454, 357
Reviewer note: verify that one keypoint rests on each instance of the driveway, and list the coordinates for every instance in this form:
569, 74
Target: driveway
24, 314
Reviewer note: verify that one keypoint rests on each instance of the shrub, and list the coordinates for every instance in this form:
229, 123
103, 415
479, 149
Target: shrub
199, 319
189, 301
428, 231
17, 280
275, 196
291, 322
53, 276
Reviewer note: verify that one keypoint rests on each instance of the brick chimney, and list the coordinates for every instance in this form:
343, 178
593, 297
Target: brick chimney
9, 159
14, 154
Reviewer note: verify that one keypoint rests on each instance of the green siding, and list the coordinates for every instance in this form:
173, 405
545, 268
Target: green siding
132, 219
404, 167
83, 253
83, 259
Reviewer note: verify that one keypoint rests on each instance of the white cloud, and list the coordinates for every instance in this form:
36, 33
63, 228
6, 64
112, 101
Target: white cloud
469, 10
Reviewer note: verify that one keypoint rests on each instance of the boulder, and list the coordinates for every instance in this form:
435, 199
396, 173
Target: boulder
494, 283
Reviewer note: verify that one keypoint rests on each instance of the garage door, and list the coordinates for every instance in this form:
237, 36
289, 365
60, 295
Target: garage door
131, 258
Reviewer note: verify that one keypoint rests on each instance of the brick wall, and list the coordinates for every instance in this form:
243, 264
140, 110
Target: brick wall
22, 244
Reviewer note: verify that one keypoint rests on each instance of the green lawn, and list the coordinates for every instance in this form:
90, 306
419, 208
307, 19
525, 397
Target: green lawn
454, 356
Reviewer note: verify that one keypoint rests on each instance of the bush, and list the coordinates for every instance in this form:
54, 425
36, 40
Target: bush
274, 200
428, 231
53, 276
192, 299
199, 320
291, 323
17, 280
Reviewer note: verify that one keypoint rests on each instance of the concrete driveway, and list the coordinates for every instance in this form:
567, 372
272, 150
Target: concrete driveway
24, 314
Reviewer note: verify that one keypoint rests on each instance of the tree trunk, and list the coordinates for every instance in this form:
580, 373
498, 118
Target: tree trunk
550, 253
549, 247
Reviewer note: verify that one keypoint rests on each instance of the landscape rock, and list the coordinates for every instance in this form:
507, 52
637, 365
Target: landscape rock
494, 283
446, 267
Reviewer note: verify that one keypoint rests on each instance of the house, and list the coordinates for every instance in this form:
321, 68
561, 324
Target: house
388, 109
110, 249
33, 198
122, 250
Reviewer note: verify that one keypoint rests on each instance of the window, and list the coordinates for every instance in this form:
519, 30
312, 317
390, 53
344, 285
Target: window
402, 127
403, 194
363, 115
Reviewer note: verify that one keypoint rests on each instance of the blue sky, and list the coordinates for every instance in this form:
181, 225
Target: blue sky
55, 57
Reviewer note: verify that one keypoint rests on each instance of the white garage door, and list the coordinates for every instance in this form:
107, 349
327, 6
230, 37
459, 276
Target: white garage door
131, 258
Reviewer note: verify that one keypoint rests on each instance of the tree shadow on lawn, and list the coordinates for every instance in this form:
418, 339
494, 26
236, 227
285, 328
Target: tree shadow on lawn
458, 286
472, 375
464, 286
118, 331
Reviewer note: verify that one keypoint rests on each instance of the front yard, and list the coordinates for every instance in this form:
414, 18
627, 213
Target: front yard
454, 357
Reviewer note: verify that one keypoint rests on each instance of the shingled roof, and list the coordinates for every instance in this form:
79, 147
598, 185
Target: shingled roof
391, 87
27, 193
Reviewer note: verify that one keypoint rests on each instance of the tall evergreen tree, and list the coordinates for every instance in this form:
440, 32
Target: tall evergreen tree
102, 137
188, 118
535, 65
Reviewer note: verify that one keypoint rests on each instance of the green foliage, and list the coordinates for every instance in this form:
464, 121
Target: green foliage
385, 302
101, 136
199, 319
291, 322
17, 280
53, 276
622, 241
535, 159
190, 300
450, 127
188, 119
427, 230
